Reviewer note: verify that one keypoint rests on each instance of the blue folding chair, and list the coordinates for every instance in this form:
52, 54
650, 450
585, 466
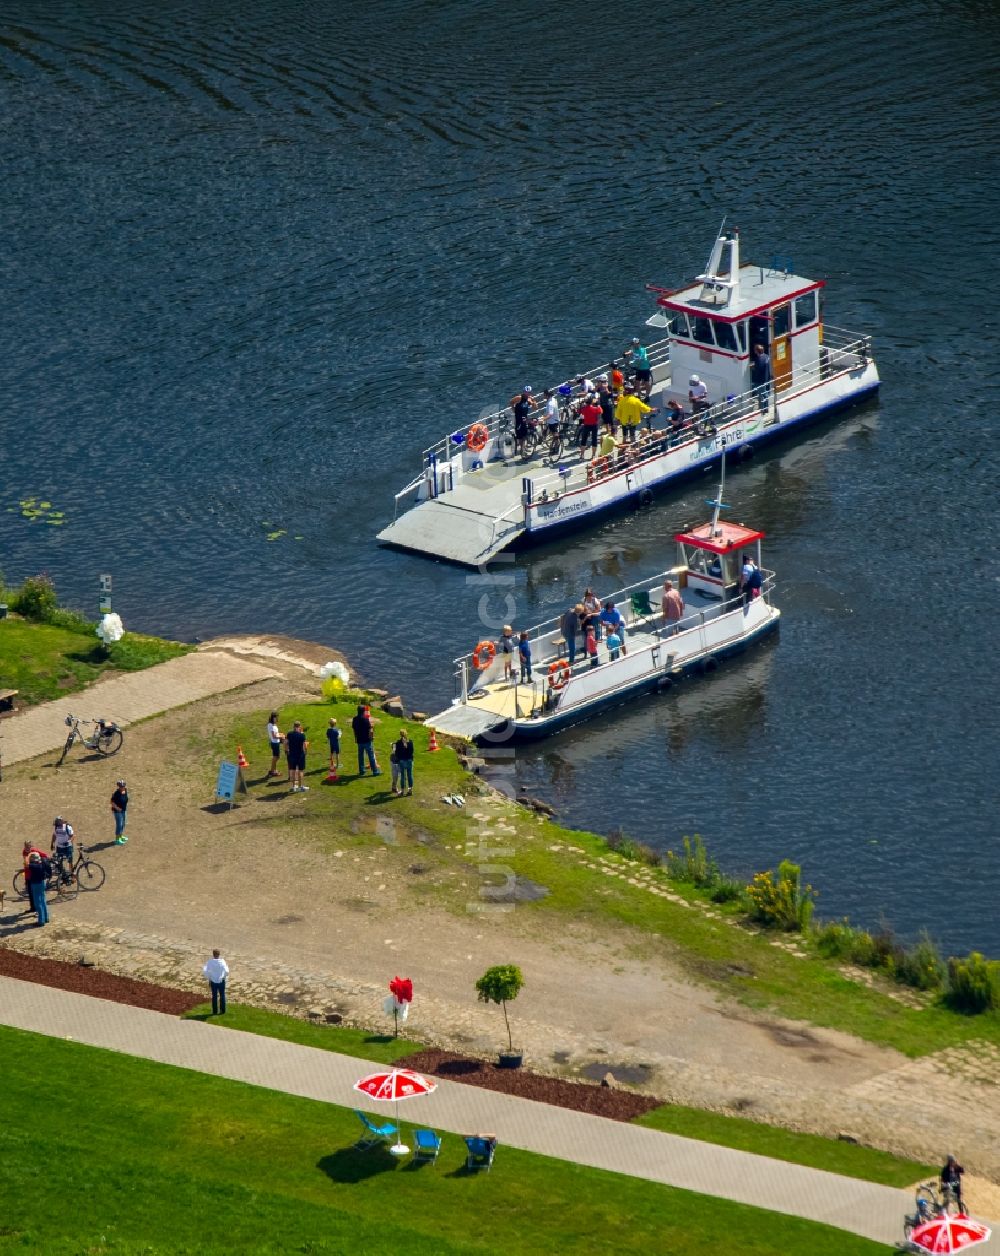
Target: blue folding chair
427, 1145
481, 1151
375, 1133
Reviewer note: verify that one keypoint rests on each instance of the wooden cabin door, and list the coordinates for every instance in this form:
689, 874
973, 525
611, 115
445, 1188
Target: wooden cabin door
781, 349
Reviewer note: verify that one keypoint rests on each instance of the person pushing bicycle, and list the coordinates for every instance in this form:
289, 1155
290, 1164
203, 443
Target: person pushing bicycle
951, 1180
62, 848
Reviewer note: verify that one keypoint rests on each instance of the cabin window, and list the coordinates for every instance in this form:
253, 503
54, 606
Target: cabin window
741, 330
725, 337
703, 331
805, 310
679, 325
781, 318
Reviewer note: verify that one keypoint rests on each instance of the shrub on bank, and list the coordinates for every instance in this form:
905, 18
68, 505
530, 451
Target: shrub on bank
919, 966
780, 900
973, 984
35, 599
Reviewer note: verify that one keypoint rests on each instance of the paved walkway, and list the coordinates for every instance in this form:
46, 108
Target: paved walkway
873, 1211
127, 698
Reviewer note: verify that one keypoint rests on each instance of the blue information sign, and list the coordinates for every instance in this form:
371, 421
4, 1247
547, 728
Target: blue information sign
227, 783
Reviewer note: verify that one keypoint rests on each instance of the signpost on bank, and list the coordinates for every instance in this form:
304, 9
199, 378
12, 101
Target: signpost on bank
229, 782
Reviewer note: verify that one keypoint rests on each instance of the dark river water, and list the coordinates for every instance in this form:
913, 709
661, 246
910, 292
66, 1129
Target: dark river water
254, 258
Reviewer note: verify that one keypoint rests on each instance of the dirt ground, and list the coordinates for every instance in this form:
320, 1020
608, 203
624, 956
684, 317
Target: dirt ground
322, 933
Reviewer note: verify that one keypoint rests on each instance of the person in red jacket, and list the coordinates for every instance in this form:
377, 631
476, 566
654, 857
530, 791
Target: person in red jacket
590, 417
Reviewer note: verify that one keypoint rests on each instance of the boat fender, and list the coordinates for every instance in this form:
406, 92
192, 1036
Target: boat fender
664, 684
744, 452
558, 674
711, 664
483, 655
646, 497
477, 436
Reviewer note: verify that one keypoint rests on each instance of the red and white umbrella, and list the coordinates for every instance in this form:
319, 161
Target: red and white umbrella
392, 1086
950, 1234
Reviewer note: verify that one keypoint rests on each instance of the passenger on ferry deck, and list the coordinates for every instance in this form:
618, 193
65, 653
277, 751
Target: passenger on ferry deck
612, 616
629, 412
590, 416
590, 645
643, 371
607, 403
748, 579
617, 379
584, 385
592, 612
523, 406
760, 375
552, 415
614, 646
676, 418
697, 394
569, 626
672, 605
524, 654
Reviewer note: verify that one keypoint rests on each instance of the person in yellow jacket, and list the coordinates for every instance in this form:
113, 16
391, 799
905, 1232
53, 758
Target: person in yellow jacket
629, 412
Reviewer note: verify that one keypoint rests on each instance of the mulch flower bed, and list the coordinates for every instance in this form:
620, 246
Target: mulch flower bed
99, 985
619, 1105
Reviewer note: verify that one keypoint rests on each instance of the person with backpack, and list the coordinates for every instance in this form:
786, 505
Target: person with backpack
403, 752
62, 848
39, 871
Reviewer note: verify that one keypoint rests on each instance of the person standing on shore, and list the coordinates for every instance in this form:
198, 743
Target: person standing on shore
39, 871
275, 738
333, 737
119, 809
362, 726
295, 750
217, 970
403, 750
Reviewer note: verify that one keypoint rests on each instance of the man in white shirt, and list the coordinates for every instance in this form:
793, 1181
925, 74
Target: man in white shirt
697, 394
552, 415
217, 970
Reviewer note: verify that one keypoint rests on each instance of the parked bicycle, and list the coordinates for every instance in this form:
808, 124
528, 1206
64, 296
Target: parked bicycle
85, 874
929, 1207
106, 738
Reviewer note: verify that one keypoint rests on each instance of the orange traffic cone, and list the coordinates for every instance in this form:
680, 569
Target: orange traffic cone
433, 743
241, 759
331, 776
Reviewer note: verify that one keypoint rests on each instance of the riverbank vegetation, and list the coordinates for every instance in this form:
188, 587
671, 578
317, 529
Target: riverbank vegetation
167, 1160
680, 902
48, 651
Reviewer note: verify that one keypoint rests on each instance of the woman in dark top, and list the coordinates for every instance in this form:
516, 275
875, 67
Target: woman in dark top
403, 750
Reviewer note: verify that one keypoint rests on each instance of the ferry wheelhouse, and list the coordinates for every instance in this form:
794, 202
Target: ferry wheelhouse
719, 618
473, 499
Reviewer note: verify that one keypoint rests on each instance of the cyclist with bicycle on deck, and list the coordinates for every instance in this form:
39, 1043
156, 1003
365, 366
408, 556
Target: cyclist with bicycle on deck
62, 849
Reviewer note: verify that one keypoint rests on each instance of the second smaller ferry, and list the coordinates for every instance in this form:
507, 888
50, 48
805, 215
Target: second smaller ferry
725, 603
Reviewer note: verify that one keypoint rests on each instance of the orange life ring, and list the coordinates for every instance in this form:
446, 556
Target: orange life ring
559, 674
483, 655
477, 436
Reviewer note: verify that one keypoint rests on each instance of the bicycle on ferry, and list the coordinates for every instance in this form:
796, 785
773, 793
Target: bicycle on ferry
106, 738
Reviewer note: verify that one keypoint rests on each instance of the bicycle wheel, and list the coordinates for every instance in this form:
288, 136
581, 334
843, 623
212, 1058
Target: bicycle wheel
555, 448
89, 875
62, 890
66, 748
20, 887
530, 444
110, 743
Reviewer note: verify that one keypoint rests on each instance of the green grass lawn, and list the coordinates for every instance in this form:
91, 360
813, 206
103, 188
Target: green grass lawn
810, 1149
144, 1158
44, 661
382, 1048
713, 949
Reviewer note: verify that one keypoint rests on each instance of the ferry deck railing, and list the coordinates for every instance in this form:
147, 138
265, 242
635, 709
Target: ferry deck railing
696, 620
841, 353
441, 453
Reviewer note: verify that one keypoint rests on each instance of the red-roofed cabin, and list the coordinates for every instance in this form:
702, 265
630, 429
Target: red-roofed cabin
711, 558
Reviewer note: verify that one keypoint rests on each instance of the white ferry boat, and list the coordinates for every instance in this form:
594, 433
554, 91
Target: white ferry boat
717, 619
475, 496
